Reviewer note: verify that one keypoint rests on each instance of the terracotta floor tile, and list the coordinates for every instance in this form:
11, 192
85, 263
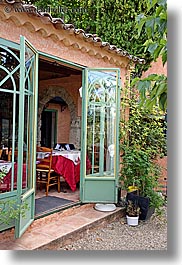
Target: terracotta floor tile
11, 246
75, 222
55, 230
68, 194
92, 214
33, 240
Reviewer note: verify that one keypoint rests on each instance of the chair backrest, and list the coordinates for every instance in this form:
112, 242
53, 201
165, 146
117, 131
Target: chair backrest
10, 154
1, 151
44, 155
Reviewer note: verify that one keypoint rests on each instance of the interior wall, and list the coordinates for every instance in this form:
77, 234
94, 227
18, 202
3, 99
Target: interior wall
63, 123
72, 123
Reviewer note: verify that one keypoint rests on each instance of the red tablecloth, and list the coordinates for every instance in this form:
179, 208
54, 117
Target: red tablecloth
6, 184
66, 168
61, 165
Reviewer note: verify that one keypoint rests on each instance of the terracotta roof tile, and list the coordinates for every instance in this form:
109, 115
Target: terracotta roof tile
58, 23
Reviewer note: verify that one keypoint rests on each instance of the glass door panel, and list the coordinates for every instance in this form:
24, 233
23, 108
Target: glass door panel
100, 144
27, 133
18, 123
9, 111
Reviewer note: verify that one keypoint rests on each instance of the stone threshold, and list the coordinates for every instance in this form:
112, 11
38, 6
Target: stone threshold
80, 231
60, 229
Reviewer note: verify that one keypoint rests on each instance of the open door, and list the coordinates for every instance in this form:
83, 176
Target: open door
27, 134
100, 135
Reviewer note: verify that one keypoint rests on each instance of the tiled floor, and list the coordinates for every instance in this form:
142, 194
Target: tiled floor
65, 193
61, 227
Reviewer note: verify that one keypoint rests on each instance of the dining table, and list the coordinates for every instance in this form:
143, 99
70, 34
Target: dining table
6, 176
67, 164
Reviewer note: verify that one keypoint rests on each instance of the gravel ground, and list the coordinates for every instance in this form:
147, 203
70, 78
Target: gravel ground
148, 235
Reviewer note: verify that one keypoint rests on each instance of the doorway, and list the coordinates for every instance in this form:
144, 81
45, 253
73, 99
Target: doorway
67, 77
55, 201
59, 121
100, 123
49, 128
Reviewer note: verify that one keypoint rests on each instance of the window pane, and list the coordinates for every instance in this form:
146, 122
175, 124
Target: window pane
9, 141
101, 121
9, 69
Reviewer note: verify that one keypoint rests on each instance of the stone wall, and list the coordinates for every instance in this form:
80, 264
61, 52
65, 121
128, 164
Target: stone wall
74, 132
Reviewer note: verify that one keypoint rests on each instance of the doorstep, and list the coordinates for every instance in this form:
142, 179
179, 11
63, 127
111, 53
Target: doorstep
59, 228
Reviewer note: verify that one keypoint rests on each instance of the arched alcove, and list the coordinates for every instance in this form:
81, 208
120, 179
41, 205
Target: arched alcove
75, 127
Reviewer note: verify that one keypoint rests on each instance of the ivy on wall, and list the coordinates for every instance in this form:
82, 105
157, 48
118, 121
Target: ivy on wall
112, 20
139, 27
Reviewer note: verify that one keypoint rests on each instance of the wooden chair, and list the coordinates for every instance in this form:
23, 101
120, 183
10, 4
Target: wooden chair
15, 155
1, 151
44, 172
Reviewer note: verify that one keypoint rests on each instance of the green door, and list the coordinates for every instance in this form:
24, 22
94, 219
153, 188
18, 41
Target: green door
27, 134
100, 135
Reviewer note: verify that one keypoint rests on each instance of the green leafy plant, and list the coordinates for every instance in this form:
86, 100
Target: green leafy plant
142, 141
139, 170
132, 209
107, 19
10, 210
153, 89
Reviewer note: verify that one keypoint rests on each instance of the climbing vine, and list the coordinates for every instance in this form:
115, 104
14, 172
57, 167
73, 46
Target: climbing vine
139, 27
112, 20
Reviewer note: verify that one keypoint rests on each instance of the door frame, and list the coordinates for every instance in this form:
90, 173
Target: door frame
96, 183
11, 195
55, 127
27, 196
82, 169
28, 75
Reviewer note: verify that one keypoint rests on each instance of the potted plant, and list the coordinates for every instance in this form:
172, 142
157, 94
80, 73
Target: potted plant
132, 212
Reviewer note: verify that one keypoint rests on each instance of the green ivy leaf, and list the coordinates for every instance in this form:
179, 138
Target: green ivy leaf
157, 52
163, 101
151, 4
150, 26
134, 81
164, 58
152, 47
159, 10
152, 77
162, 2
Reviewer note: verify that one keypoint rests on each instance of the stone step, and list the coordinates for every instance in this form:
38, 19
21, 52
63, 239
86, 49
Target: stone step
60, 228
